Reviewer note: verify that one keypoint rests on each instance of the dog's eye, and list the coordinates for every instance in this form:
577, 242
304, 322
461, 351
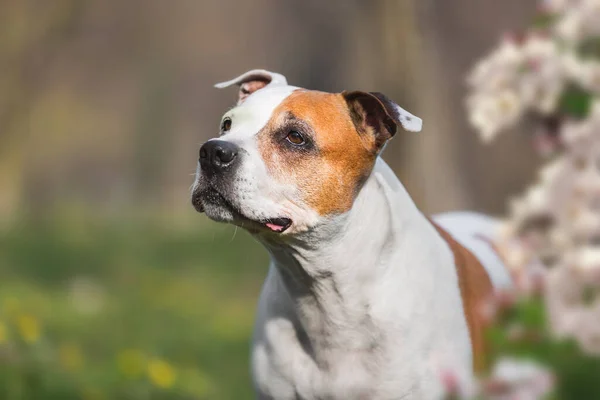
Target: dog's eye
295, 138
226, 125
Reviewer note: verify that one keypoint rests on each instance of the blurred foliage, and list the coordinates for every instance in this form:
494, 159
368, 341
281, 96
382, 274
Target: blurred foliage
575, 102
98, 309
522, 331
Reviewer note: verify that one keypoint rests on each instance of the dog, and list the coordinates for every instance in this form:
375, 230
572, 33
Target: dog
365, 297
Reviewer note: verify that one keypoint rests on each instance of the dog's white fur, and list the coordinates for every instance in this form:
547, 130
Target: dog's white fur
364, 305
385, 325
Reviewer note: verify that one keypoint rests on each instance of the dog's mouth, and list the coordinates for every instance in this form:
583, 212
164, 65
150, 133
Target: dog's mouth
207, 200
278, 225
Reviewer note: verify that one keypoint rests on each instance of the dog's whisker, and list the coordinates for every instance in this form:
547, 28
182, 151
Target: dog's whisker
234, 233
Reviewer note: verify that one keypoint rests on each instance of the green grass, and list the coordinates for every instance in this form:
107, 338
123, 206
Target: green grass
101, 309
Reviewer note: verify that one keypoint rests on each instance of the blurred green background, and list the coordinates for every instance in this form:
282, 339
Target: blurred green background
126, 309
112, 287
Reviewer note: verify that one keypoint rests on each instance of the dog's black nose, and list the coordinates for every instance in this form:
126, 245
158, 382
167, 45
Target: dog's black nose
217, 155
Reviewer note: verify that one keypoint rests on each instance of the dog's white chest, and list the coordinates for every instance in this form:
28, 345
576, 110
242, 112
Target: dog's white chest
381, 361
284, 370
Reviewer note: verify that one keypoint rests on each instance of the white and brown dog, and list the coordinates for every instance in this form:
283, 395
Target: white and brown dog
366, 298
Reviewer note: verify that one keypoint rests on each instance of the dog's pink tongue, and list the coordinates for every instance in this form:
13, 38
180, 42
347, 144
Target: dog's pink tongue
274, 227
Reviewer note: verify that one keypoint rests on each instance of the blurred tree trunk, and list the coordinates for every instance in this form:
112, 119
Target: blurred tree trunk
424, 155
455, 36
151, 144
30, 34
426, 74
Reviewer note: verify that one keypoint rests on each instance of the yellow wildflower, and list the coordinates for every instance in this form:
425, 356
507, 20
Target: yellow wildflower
70, 356
131, 363
28, 327
161, 373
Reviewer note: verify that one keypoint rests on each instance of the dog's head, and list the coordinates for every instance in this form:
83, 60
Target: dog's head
288, 158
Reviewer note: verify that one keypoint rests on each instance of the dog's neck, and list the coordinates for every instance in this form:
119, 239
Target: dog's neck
333, 273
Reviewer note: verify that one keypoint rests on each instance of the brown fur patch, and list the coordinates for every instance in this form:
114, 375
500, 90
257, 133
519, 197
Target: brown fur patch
475, 288
328, 176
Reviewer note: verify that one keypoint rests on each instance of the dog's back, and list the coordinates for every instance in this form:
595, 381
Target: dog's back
475, 232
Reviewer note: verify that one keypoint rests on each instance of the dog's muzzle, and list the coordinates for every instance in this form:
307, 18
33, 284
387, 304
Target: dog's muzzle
218, 160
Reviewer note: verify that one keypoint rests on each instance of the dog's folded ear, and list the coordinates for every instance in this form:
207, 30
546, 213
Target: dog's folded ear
375, 114
251, 81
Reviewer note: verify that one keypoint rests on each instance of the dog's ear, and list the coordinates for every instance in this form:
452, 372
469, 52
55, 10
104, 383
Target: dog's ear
252, 81
374, 114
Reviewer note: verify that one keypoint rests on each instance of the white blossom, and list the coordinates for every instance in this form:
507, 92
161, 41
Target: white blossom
570, 26
552, 231
513, 79
518, 379
558, 6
